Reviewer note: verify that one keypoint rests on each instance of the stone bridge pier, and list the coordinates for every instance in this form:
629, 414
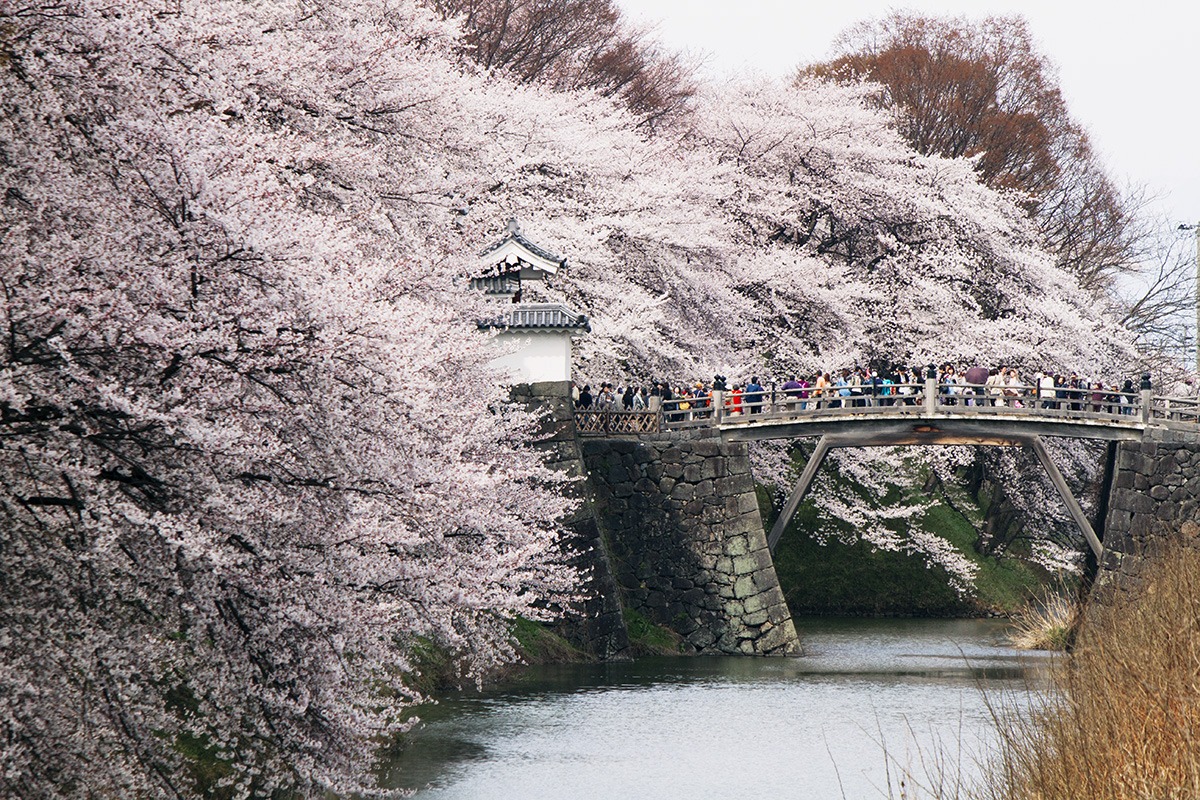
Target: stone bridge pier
1155, 496
686, 540
668, 526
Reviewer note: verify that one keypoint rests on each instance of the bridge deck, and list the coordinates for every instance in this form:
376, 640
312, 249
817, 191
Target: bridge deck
928, 414
915, 425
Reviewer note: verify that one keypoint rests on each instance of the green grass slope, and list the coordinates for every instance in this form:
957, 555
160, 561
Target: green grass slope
832, 577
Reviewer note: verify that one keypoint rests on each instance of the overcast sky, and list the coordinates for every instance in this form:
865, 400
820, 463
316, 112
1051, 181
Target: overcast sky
1130, 71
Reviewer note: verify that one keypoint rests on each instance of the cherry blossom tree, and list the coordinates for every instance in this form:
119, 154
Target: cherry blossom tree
792, 230
981, 89
796, 231
251, 450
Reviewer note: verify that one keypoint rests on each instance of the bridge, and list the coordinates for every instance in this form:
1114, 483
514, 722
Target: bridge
671, 516
929, 413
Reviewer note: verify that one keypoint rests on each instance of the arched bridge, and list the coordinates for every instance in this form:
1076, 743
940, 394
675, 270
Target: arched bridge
929, 413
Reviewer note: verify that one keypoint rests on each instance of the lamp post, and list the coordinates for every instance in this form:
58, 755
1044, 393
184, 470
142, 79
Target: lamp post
1196, 228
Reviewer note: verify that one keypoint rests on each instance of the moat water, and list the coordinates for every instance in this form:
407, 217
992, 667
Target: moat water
871, 703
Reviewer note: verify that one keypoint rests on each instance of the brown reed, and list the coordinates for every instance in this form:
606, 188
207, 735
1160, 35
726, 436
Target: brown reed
1121, 719
1046, 625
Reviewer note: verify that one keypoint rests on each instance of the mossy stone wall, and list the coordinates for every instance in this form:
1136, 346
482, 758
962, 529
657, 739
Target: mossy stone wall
595, 624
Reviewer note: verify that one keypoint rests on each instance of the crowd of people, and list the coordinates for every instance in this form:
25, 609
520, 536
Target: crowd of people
861, 387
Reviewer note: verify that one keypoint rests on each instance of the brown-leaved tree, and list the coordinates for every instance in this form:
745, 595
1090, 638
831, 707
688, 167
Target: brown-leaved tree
981, 89
575, 44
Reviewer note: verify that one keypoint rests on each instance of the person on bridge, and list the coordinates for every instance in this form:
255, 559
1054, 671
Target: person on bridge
952, 390
585, 397
908, 382
700, 393
856, 387
683, 403
976, 378
843, 391
667, 398
823, 385
754, 395
995, 386
1113, 399
1046, 390
805, 386
1014, 389
606, 400
1127, 396
874, 387
1075, 390
885, 390
792, 390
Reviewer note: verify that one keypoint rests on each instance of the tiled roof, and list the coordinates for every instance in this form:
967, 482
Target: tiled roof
514, 235
540, 316
507, 283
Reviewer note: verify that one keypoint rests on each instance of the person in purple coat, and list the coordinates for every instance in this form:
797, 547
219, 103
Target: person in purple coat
976, 378
793, 391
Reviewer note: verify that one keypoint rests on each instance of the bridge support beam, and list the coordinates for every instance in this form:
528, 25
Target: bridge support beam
1064, 491
799, 491
830, 441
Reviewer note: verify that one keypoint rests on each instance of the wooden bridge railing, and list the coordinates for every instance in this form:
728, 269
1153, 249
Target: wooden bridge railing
925, 399
606, 422
932, 398
1174, 410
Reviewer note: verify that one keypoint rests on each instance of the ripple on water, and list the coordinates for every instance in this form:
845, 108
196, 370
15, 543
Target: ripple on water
810, 727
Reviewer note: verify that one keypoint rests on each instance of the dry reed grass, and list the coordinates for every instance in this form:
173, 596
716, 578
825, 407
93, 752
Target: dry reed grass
1122, 720
1047, 625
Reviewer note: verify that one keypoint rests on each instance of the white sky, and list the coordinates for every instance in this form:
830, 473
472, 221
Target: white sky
1130, 71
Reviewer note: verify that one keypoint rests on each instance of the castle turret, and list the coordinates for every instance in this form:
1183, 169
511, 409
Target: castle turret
536, 337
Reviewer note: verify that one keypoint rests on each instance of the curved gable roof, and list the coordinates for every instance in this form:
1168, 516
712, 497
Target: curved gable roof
514, 248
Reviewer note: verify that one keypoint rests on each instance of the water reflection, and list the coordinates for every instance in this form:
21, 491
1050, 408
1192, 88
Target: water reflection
811, 727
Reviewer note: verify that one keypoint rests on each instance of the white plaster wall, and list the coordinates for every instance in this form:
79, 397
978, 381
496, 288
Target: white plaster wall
538, 356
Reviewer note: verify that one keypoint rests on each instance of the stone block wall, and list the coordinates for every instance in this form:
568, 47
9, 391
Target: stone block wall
686, 540
1155, 496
